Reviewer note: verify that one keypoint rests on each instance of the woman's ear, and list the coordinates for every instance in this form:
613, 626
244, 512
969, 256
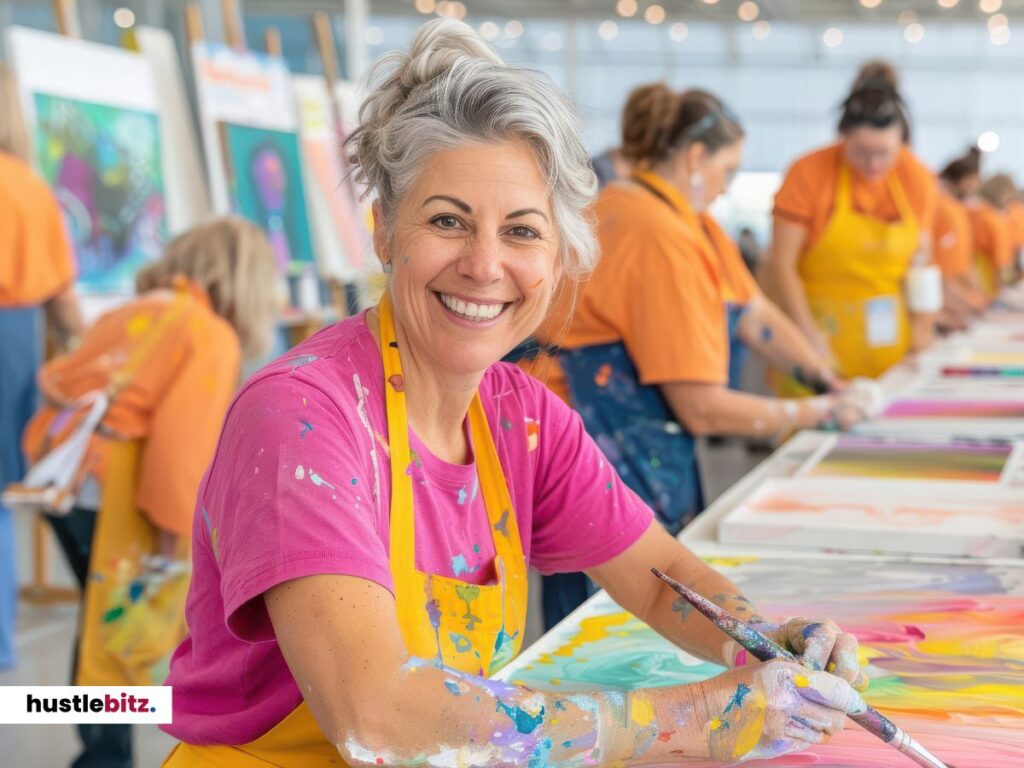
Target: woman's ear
380, 245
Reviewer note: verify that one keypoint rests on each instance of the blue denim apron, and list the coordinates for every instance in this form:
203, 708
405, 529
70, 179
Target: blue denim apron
737, 349
631, 422
21, 352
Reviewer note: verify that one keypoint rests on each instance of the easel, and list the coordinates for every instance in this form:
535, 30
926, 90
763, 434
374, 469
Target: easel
39, 591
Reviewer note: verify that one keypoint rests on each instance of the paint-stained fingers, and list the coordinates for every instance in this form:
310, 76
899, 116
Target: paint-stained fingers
813, 641
802, 732
829, 691
844, 662
819, 717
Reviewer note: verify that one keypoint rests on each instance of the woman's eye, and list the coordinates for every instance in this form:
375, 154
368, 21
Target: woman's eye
446, 221
524, 232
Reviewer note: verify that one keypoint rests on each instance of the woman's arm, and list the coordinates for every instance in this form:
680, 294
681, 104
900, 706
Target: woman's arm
341, 639
714, 409
767, 330
64, 313
628, 579
788, 241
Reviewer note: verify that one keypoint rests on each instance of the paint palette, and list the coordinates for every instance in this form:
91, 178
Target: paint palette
878, 515
941, 642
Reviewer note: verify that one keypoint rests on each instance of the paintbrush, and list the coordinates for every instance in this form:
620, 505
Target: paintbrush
763, 648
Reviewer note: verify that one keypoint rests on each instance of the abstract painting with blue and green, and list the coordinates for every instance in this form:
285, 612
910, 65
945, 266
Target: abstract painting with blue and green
103, 163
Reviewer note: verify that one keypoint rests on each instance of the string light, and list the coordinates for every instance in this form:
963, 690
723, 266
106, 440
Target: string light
833, 37
679, 32
748, 11
654, 14
124, 18
608, 30
762, 29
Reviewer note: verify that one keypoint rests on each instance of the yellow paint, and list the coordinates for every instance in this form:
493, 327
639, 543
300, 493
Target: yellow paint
138, 325
750, 731
801, 681
716, 724
730, 562
641, 711
592, 630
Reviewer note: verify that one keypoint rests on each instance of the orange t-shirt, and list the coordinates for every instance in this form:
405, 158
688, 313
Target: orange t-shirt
36, 263
808, 192
658, 289
1015, 210
738, 285
951, 237
990, 229
175, 403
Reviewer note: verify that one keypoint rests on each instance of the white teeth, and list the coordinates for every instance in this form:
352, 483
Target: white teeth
470, 310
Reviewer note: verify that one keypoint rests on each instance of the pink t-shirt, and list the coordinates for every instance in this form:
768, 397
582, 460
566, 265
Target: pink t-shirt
300, 485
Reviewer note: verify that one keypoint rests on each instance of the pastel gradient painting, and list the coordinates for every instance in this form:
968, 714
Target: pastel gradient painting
103, 164
942, 644
904, 459
265, 181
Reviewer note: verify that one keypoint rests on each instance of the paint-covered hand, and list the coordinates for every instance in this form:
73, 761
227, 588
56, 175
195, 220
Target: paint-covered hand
776, 708
821, 645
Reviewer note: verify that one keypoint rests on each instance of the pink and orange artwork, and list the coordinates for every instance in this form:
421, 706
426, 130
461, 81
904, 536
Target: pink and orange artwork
941, 644
951, 519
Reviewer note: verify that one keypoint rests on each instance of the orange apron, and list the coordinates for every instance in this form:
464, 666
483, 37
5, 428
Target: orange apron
472, 628
853, 276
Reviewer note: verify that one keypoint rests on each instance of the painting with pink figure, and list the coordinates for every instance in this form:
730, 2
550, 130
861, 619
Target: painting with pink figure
264, 173
940, 642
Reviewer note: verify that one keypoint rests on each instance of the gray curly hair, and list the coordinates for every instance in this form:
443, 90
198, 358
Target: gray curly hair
451, 89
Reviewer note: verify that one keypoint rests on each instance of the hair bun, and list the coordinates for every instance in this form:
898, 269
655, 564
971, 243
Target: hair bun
647, 121
437, 45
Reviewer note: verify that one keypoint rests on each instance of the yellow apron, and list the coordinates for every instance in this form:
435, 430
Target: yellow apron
989, 276
128, 629
129, 626
475, 629
853, 276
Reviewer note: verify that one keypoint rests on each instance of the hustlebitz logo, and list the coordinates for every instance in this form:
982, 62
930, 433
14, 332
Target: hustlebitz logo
82, 703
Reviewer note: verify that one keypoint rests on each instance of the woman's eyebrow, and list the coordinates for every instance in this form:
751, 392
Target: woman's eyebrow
524, 212
464, 207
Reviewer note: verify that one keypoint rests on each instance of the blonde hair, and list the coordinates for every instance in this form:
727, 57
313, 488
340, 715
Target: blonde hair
999, 190
13, 132
232, 260
452, 89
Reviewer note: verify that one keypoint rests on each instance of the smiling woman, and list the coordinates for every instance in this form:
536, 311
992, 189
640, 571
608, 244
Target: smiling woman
377, 495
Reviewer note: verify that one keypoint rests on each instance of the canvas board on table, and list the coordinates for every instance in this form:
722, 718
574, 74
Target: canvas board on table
93, 112
933, 517
941, 644
249, 124
852, 456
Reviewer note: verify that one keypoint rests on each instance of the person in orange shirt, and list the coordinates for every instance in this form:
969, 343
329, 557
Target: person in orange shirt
1000, 193
990, 230
37, 282
849, 221
645, 357
953, 246
172, 357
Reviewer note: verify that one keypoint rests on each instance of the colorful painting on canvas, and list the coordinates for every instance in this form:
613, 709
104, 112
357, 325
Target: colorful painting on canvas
103, 164
941, 644
955, 409
908, 460
266, 186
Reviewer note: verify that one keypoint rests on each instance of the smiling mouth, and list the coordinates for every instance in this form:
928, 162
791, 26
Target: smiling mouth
467, 310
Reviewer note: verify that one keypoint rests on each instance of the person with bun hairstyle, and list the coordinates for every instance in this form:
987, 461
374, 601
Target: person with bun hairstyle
850, 221
360, 559
168, 361
650, 354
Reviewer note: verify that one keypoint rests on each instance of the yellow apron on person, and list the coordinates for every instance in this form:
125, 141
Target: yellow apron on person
128, 628
476, 629
853, 277
989, 275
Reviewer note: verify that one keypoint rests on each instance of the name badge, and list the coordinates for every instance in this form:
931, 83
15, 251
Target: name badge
882, 322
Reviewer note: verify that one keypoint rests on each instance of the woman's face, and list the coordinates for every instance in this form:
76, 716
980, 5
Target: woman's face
872, 152
474, 251
718, 170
